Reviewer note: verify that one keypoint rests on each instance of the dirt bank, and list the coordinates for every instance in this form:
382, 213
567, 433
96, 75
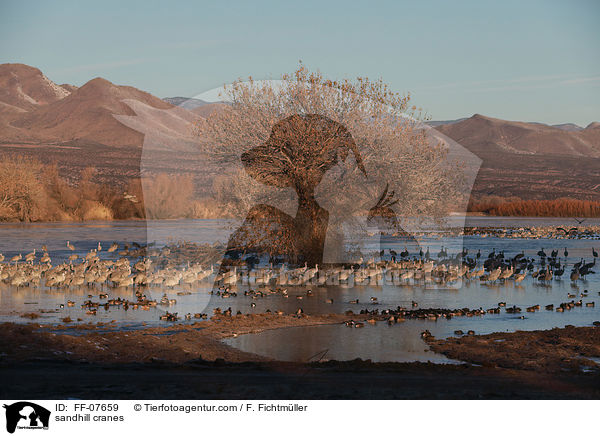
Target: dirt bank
93, 361
178, 343
566, 349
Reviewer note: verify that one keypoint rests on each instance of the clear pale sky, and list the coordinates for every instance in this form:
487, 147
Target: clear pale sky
517, 60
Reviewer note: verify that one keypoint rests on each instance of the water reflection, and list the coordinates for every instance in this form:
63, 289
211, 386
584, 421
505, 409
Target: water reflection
379, 343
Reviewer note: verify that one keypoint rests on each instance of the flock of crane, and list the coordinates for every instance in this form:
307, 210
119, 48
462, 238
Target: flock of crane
120, 271
160, 269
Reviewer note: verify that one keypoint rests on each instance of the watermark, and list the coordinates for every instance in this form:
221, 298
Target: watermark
24, 415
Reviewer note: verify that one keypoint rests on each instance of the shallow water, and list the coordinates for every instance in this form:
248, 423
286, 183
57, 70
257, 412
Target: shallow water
380, 342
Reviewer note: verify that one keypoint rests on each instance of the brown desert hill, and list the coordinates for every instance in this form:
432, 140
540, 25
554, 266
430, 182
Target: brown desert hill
103, 125
531, 160
69, 87
25, 88
87, 114
568, 126
486, 136
99, 124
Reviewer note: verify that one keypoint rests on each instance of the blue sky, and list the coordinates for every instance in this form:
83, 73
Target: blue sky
518, 60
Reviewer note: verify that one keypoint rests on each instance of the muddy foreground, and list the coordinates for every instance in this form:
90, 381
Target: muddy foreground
93, 361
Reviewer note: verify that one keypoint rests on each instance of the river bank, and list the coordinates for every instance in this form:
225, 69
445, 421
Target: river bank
189, 361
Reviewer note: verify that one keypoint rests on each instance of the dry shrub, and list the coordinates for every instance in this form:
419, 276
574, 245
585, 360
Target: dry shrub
30, 191
168, 196
208, 208
95, 211
124, 205
22, 194
561, 207
61, 197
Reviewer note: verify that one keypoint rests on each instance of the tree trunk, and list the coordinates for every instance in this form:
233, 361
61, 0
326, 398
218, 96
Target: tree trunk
311, 227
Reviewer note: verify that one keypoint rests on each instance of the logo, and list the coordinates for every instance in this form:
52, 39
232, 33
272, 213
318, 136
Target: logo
26, 415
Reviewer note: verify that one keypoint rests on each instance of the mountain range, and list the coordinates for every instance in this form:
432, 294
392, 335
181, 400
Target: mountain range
77, 127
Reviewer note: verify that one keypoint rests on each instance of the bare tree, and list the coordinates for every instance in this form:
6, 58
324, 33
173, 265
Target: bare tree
340, 150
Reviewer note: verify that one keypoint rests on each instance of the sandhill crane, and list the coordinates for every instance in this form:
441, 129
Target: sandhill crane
310, 273
344, 275
113, 247
29, 257
507, 273
16, 258
520, 277
495, 274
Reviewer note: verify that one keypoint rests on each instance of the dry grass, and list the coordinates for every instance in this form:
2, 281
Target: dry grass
168, 196
513, 206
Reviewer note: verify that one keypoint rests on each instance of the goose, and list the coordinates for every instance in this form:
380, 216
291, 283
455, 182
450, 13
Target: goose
70, 246
594, 252
113, 247
575, 275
